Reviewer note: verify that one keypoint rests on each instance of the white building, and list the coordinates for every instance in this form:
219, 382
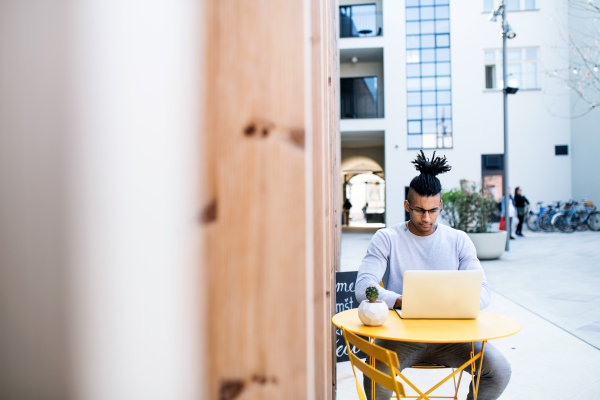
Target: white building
430, 76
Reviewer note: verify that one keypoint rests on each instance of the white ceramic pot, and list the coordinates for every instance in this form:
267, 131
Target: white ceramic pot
490, 245
373, 314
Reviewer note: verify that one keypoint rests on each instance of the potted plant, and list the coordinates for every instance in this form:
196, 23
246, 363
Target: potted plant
372, 312
470, 209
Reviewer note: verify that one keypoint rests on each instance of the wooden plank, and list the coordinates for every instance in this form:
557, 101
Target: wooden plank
321, 40
333, 163
326, 178
319, 224
254, 200
261, 250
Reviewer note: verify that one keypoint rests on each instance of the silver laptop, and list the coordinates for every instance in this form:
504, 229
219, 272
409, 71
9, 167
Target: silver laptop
441, 294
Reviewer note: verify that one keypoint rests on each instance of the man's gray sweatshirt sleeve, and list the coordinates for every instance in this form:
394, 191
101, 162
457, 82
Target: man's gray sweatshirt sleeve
469, 261
373, 268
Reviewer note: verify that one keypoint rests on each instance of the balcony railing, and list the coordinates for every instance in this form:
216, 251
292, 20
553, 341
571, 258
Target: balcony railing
360, 21
361, 98
361, 104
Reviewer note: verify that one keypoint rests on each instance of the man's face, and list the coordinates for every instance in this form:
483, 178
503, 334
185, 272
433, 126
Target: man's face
424, 222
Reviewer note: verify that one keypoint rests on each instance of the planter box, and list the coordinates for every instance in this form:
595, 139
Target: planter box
489, 246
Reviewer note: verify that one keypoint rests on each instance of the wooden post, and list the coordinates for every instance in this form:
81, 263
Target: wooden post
320, 217
326, 223
269, 197
331, 170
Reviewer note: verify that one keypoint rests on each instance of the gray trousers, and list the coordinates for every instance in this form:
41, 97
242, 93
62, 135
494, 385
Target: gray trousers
495, 372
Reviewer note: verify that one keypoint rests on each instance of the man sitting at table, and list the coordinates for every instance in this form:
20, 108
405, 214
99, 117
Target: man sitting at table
423, 244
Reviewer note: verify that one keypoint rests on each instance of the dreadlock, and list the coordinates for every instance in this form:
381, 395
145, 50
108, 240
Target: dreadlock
426, 184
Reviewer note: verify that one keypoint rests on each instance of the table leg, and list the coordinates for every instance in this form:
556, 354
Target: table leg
372, 363
473, 369
476, 391
472, 362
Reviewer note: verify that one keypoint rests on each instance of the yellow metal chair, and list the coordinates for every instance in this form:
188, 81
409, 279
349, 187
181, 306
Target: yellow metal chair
433, 366
375, 352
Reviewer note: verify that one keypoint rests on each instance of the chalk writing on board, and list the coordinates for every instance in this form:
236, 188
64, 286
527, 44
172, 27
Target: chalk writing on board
341, 348
345, 300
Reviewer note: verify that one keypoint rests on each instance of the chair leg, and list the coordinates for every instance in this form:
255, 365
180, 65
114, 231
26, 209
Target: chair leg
457, 385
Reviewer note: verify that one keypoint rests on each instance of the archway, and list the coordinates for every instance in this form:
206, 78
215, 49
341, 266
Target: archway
369, 190
363, 185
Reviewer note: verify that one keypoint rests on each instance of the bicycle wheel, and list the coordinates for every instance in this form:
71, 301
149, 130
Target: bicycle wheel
563, 223
554, 220
593, 221
545, 224
540, 222
532, 222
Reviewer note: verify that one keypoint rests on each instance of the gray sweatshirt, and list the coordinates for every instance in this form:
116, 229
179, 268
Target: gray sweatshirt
395, 250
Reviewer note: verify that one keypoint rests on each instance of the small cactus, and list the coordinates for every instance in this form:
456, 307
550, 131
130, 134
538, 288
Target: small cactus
372, 293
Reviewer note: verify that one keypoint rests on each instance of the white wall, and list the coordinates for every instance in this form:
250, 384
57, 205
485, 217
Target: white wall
585, 131
398, 166
375, 153
584, 152
534, 128
360, 69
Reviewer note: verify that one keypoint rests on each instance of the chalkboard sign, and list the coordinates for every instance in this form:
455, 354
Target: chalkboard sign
345, 300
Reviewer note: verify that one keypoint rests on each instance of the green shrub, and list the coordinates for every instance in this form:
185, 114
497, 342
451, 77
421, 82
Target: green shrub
468, 208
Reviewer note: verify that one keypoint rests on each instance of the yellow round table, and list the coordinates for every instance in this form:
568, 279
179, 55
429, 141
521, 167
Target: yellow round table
486, 327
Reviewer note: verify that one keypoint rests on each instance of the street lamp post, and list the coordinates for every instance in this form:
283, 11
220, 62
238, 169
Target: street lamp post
507, 33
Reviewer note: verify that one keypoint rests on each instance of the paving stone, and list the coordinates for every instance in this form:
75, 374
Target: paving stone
595, 327
579, 297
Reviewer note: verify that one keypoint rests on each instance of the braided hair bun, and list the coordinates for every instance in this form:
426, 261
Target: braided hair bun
426, 184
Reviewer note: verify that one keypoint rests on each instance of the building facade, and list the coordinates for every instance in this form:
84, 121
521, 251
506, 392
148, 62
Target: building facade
427, 74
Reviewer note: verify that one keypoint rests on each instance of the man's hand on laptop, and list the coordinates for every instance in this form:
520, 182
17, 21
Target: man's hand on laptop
398, 303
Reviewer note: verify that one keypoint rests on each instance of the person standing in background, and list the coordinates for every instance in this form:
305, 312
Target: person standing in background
520, 202
364, 210
511, 213
347, 207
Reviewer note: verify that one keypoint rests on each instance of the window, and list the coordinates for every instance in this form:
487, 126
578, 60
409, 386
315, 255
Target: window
511, 5
522, 68
428, 73
359, 98
490, 76
562, 150
513, 74
360, 21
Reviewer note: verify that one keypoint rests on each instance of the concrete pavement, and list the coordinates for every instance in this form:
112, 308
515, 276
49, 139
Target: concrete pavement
556, 276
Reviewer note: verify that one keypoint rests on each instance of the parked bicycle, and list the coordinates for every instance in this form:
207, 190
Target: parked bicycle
545, 219
575, 217
532, 218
